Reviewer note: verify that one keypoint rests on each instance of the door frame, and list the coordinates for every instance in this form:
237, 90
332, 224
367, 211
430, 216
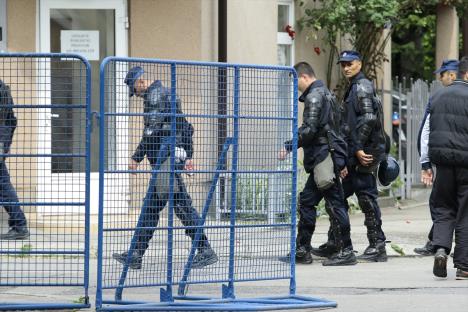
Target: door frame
44, 191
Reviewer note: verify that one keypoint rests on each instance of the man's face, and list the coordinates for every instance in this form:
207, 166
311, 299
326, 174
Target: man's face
447, 77
139, 87
302, 82
465, 76
351, 69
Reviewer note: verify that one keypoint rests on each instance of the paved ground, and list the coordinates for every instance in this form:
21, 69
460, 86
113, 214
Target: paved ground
404, 283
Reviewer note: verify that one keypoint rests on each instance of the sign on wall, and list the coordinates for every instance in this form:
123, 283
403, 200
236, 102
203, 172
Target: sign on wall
82, 42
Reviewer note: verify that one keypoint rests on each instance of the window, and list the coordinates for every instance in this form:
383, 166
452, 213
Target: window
285, 44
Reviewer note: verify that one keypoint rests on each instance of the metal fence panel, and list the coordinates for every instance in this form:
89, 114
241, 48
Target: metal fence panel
417, 98
158, 217
45, 177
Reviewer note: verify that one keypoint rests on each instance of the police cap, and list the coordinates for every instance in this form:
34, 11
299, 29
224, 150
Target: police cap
349, 56
451, 65
133, 74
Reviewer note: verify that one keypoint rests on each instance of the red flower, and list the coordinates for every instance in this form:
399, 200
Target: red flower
317, 50
290, 31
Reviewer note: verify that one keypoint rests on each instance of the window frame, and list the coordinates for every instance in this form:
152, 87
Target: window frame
3, 26
283, 38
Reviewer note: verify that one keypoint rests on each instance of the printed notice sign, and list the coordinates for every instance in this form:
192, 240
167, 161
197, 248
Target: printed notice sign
83, 42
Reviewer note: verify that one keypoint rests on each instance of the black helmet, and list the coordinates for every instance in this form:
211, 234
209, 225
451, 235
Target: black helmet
388, 171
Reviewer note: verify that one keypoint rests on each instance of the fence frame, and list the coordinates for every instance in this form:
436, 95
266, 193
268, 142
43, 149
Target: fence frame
228, 301
8, 306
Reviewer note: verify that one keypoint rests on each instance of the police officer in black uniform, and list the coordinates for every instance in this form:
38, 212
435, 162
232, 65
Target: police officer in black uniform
320, 140
366, 149
17, 220
155, 145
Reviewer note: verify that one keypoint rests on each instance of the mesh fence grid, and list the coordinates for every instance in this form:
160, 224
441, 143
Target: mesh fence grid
47, 168
236, 194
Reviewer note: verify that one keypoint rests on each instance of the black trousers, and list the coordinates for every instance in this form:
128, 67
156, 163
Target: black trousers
451, 212
8, 194
183, 209
309, 198
364, 185
432, 211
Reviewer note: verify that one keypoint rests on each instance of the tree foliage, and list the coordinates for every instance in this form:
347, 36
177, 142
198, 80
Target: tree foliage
362, 24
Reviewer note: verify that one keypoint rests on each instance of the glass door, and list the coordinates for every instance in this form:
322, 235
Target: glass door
94, 29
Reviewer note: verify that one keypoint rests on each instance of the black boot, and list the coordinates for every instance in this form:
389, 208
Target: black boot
375, 252
303, 256
16, 233
135, 260
461, 274
205, 256
440, 263
344, 257
325, 250
426, 250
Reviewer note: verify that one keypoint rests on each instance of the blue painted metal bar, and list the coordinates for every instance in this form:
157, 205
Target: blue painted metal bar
102, 110
202, 171
44, 155
42, 285
208, 64
170, 222
292, 283
235, 153
87, 179
49, 106
41, 204
200, 225
228, 304
42, 306
220, 226
238, 280
215, 116
41, 252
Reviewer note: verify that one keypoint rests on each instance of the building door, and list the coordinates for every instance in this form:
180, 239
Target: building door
62, 22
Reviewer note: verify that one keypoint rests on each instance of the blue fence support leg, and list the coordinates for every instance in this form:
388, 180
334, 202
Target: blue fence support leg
188, 265
229, 291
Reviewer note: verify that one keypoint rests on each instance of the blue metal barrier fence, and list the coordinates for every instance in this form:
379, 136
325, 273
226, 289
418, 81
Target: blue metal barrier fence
191, 192
44, 181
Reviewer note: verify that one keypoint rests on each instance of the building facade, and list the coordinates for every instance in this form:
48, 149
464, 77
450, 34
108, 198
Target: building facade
257, 33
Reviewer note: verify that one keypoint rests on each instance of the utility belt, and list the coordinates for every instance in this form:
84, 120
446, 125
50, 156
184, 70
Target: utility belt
321, 140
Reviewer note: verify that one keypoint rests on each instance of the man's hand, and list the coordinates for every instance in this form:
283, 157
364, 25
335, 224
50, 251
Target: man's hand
283, 154
188, 165
364, 159
426, 177
133, 165
344, 173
